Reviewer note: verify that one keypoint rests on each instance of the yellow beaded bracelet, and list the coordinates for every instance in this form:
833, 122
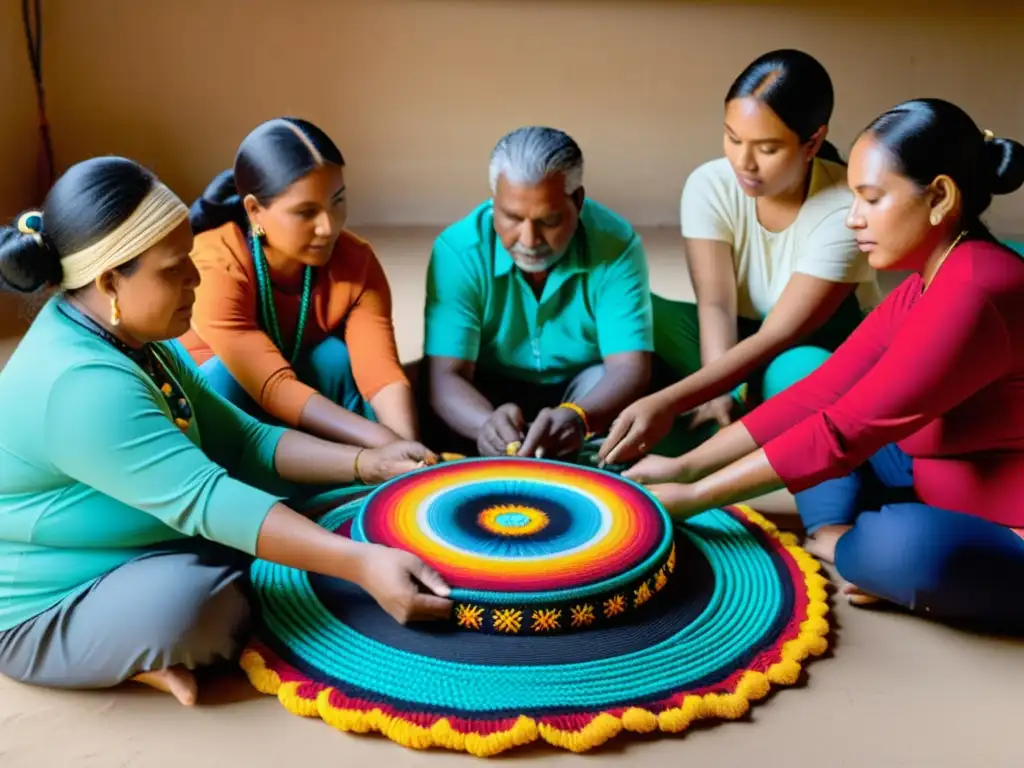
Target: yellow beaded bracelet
587, 434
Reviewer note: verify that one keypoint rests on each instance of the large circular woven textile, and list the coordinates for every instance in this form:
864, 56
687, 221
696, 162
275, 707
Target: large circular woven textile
744, 607
528, 546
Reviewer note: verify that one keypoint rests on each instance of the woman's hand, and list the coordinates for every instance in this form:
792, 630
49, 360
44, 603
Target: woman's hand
660, 469
393, 578
679, 499
376, 465
637, 429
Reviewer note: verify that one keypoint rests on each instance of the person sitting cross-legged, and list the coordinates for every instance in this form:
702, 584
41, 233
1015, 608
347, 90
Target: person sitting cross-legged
133, 497
538, 311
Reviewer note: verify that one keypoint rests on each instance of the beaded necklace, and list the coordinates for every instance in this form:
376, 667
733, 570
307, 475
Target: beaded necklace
146, 358
268, 312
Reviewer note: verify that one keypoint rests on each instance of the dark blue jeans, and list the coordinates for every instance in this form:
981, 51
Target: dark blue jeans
944, 565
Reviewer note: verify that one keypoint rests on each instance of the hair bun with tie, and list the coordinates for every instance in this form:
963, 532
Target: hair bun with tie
1005, 160
27, 259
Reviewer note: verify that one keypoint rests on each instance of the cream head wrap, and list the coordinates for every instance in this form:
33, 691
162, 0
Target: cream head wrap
159, 213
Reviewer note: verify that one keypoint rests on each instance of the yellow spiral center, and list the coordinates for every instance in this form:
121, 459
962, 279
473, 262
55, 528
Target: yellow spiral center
512, 520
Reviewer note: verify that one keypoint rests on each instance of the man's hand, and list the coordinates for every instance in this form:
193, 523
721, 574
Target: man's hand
556, 432
505, 426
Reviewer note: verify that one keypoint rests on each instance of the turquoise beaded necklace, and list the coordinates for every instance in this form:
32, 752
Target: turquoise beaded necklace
266, 298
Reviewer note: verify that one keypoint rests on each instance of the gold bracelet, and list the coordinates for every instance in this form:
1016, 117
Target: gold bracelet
587, 434
355, 467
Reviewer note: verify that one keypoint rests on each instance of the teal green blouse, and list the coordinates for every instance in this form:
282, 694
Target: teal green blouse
94, 472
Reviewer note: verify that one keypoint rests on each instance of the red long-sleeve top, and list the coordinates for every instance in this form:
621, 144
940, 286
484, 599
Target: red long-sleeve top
940, 372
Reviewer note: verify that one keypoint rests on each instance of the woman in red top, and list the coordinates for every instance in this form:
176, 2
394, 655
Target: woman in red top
906, 448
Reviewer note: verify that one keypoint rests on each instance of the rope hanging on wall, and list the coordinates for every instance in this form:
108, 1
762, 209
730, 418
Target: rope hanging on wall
32, 17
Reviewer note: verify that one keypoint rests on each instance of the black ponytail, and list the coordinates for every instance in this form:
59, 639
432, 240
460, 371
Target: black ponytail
828, 151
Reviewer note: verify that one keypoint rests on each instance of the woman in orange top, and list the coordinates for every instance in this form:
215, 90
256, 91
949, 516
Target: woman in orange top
292, 321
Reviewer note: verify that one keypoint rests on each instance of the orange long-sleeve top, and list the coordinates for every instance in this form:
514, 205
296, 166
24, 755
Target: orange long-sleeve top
350, 298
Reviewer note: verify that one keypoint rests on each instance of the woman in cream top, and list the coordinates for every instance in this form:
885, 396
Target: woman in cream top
778, 277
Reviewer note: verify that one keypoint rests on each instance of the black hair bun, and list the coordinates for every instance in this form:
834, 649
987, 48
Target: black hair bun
1005, 158
219, 204
28, 262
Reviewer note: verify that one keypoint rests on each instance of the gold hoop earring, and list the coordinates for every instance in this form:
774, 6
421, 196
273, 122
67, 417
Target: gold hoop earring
935, 219
115, 311
258, 230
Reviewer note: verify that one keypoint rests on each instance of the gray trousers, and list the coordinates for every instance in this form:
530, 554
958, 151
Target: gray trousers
159, 611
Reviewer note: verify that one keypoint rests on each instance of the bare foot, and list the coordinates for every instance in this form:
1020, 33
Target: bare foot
822, 543
177, 681
857, 596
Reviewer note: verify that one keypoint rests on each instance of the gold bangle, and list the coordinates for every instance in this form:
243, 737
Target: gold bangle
355, 467
587, 434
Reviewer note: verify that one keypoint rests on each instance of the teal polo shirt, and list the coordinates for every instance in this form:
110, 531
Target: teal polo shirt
596, 301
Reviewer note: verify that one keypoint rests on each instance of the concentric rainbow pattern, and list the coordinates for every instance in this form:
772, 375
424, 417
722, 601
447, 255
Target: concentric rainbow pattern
467, 520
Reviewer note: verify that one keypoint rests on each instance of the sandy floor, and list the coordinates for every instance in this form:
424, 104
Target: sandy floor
895, 691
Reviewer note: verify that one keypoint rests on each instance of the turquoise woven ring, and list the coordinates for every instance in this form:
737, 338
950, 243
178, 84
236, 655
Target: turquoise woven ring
748, 597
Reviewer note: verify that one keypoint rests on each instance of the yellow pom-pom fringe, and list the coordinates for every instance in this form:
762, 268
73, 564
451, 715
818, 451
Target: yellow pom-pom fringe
752, 685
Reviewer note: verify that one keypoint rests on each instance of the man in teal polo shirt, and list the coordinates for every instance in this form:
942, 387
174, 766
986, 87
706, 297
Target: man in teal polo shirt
538, 312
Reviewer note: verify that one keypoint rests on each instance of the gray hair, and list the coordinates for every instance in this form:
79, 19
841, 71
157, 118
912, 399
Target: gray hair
529, 155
